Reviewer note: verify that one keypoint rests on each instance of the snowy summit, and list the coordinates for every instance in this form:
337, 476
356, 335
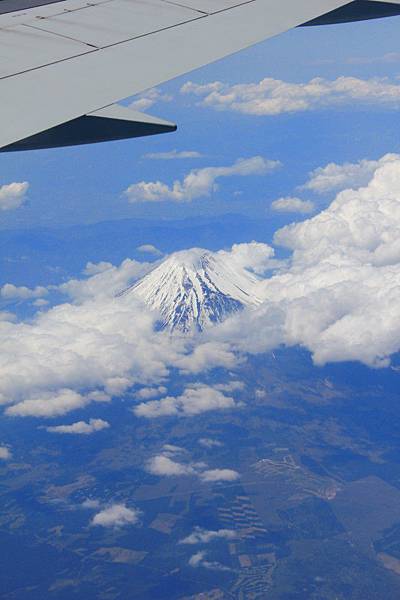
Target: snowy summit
194, 288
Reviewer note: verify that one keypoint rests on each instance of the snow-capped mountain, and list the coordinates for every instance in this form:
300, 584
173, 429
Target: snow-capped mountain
194, 288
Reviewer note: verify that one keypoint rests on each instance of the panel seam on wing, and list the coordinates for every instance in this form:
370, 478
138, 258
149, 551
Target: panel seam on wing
61, 35
97, 49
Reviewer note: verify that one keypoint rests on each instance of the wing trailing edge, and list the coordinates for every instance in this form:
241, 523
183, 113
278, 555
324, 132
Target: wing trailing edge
114, 122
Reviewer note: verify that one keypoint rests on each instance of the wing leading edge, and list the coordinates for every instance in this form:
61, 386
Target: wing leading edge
84, 56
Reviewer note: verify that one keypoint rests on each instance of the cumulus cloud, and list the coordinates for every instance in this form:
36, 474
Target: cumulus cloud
80, 427
253, 256
230, 386
50, 404
9, 291
147, 393
205, 536
196, 399
166, 464
13, 195
149, 249
293, 205
213, 475
95, 268
198, 560
116, 515
104, 280
205, 354
335, 177
274, 97
103, 344
5, 453
146, 100
198, 183
172, 155
338, 294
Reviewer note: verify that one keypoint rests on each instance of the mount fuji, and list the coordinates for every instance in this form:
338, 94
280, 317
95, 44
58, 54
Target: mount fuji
195, 288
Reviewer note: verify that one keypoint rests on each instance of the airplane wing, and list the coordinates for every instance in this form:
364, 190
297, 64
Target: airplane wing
65, 64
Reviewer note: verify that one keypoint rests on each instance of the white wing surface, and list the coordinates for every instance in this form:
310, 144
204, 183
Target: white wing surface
64, 65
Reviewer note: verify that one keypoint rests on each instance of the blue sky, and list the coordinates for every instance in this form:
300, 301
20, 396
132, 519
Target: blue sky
85, 184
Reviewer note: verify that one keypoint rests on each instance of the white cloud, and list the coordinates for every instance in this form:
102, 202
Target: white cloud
210, 443
149, 249
204, 536
5, 453
253, 256
194, 401
230, 386
171, 449
150, 392
338, 294
198, 183
219, 475
164, 466
335, 177
293, 205
173, 155
274, 97
80, 427
13, 195
105, 280
95, 268
9, 291
198, 560
101, 344
205, 354
116, 515
49, 404
40, 302
146, 100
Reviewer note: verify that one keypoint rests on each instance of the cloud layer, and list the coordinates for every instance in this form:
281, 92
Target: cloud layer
274, 97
